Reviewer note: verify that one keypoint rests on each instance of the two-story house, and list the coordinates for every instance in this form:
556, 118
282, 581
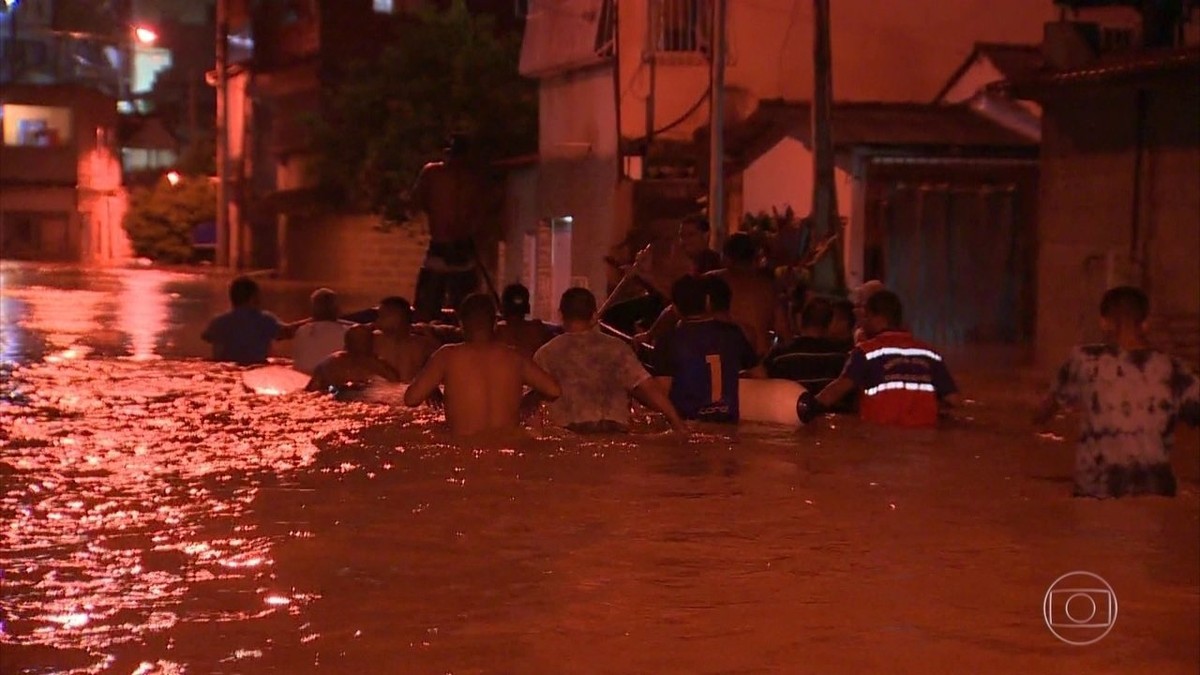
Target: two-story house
624, 87
60, 175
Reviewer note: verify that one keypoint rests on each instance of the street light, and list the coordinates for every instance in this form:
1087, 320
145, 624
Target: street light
173, 178
145, 35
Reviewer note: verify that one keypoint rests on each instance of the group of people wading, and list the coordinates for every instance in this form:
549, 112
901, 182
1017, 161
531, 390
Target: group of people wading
701, 323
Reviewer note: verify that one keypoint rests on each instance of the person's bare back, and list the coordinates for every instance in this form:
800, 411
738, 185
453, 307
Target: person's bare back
406, 354
753, 307
483, 379
526, 336
451, 194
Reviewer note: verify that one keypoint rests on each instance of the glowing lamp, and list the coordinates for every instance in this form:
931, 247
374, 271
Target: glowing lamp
144, 35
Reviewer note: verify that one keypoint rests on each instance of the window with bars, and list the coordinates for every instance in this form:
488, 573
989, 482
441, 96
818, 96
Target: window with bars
680, 26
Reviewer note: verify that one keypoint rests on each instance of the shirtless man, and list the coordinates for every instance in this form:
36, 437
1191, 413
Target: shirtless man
754, 304
664, 261
483, 377
688, 254
452, 195
396, 344
354, 365
517, 330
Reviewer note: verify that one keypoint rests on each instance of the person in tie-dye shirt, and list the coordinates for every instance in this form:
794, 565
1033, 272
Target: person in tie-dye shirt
1130, 397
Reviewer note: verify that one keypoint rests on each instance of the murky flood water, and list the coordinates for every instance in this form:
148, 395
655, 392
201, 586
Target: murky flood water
157, 518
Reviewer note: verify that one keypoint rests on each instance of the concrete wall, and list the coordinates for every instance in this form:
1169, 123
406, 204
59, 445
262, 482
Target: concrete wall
1087, 240
577, 173
348, 254
520, 218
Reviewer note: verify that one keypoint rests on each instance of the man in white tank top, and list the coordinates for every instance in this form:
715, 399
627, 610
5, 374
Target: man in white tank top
321, 336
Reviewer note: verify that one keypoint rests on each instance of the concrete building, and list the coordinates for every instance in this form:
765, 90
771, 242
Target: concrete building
61, 195
1120, 194
624, 86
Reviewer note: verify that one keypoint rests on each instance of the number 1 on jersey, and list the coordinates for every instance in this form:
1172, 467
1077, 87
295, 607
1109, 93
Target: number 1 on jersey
714, 374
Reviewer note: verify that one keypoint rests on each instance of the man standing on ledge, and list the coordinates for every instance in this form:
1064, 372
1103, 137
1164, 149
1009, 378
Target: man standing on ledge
452, 195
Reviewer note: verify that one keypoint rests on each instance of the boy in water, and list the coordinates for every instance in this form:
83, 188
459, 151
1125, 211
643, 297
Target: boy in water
597, 373
700, 360
483, 377
1130, 396
516, 330
323, 335
395, 342
244, 334
354, 365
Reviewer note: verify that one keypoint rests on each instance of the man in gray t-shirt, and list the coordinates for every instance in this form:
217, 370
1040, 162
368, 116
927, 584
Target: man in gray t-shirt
597, 373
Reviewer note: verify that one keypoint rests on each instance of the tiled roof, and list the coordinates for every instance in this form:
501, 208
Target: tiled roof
1109, 68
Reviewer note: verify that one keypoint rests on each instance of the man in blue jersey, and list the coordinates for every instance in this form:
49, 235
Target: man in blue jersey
700, 360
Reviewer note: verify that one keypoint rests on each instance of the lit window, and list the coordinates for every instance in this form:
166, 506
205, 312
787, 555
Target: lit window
36, 125
384, 6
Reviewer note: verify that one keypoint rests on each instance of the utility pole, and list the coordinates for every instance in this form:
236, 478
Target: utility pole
716, 137
222, 252
827, 273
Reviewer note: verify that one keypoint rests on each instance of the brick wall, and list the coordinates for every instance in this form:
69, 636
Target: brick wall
348, 253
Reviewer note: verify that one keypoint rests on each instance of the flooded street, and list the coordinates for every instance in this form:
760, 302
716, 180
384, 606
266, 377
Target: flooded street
156, 517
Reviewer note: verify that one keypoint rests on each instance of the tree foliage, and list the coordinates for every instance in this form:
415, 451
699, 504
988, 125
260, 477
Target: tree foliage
160, 219
446, 71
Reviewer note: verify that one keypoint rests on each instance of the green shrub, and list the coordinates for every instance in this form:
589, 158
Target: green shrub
160, 219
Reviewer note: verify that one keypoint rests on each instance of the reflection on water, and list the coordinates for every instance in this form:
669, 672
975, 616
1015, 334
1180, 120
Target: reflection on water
144, 311
61, 312
155, 517
126, 492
